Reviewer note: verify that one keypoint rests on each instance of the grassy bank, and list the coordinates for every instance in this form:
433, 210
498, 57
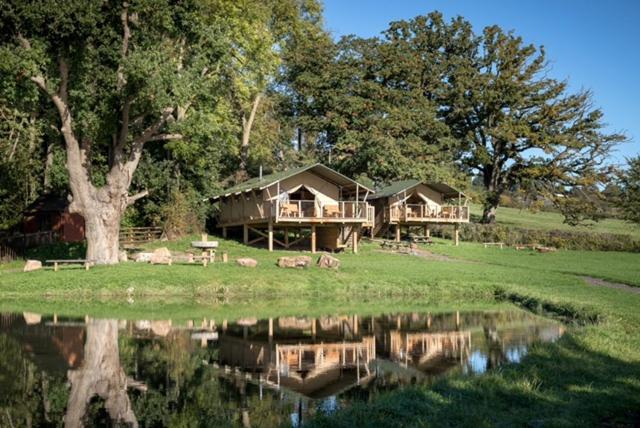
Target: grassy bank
591, 377
544, 220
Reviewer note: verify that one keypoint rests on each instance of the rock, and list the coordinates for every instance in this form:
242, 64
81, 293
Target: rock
546, 249
294, 262
161, 327
122, 256
31, 318
142, 257
247, 322
161, 256
32, 265
327, 261
247, 262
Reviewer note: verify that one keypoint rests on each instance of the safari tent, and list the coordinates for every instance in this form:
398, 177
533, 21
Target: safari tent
411, 203
312, 204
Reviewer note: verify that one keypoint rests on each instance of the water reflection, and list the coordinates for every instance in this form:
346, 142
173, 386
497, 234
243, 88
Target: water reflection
250, 372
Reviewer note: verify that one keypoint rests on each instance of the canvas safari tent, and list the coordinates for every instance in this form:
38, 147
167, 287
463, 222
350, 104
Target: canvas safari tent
410, 203
313, 204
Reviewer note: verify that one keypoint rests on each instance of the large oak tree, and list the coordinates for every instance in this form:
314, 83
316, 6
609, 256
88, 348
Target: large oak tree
120, 76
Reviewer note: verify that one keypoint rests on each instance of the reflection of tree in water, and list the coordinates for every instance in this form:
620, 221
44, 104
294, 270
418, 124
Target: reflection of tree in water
30, 397
100, 375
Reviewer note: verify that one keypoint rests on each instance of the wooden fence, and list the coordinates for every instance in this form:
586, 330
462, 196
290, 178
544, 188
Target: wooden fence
138, 235
7, 254
28, 240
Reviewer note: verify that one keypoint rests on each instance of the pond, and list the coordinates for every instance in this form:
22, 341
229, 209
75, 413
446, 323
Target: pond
246, 372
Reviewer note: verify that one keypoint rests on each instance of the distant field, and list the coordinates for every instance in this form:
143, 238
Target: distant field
550, 220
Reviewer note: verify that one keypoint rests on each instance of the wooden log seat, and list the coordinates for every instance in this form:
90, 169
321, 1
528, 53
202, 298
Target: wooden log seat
57, 262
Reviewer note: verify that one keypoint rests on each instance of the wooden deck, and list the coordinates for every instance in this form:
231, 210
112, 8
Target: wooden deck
417, 214
306, 213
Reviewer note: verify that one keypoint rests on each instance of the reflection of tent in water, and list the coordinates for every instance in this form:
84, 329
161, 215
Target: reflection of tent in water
429, 352
313, 369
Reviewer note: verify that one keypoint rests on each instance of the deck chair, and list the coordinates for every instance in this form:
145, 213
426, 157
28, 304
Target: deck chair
331, 211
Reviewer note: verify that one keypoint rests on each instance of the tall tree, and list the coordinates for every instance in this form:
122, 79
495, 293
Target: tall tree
629, 197
515, 124
120, 76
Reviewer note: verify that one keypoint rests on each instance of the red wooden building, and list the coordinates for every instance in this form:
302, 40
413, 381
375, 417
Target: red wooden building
50, 213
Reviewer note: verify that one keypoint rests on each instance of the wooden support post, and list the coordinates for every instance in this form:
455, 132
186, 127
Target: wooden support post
313, 328
286, 237
224, 231
270, 330
456, 234
270, 239
313, 239
205, 259
245, 229
427, 232
354, 237
55, 318
397, 233
225, 257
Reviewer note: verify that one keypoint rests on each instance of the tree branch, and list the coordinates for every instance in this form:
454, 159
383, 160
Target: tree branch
131, 199
166, 137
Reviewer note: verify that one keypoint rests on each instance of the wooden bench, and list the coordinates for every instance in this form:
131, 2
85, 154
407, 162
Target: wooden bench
494, 244
57, 263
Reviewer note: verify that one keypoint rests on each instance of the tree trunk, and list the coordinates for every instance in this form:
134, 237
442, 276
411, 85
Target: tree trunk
247, 124
101, 374
489, 214
102, 231
491, 205
48, 164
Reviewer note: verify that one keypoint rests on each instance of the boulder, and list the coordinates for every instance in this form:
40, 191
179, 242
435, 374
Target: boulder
546, 249
161, 327
122, 256
294, 262
161, 256
142, 257
32, 265
327, 261
31, 318
247, 262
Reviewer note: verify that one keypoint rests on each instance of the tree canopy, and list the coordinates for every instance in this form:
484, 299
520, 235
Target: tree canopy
126, 105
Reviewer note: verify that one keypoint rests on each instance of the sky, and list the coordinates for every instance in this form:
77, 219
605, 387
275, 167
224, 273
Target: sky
593, 44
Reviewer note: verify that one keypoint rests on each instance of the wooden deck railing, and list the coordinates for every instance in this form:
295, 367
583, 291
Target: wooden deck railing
423, 212
138, 235
309, 210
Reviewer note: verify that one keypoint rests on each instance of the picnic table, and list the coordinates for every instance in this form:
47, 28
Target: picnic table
420, 239
494, 244
207, 247
57, 262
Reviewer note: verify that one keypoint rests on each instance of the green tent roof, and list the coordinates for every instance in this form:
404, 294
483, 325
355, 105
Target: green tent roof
256, 183
400, 186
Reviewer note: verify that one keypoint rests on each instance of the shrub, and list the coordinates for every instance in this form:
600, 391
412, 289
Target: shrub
570, 240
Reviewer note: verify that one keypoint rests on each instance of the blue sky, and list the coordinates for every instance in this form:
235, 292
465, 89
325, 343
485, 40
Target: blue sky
593, 44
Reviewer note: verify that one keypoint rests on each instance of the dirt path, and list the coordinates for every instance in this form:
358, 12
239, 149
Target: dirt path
425, 254
602, 283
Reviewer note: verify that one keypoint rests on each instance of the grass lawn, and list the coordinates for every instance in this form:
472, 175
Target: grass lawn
551, 220
590, 377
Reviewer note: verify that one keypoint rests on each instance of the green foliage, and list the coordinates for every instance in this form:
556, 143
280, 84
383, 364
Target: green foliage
183, 214
563, 239
629, 198
59, 250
